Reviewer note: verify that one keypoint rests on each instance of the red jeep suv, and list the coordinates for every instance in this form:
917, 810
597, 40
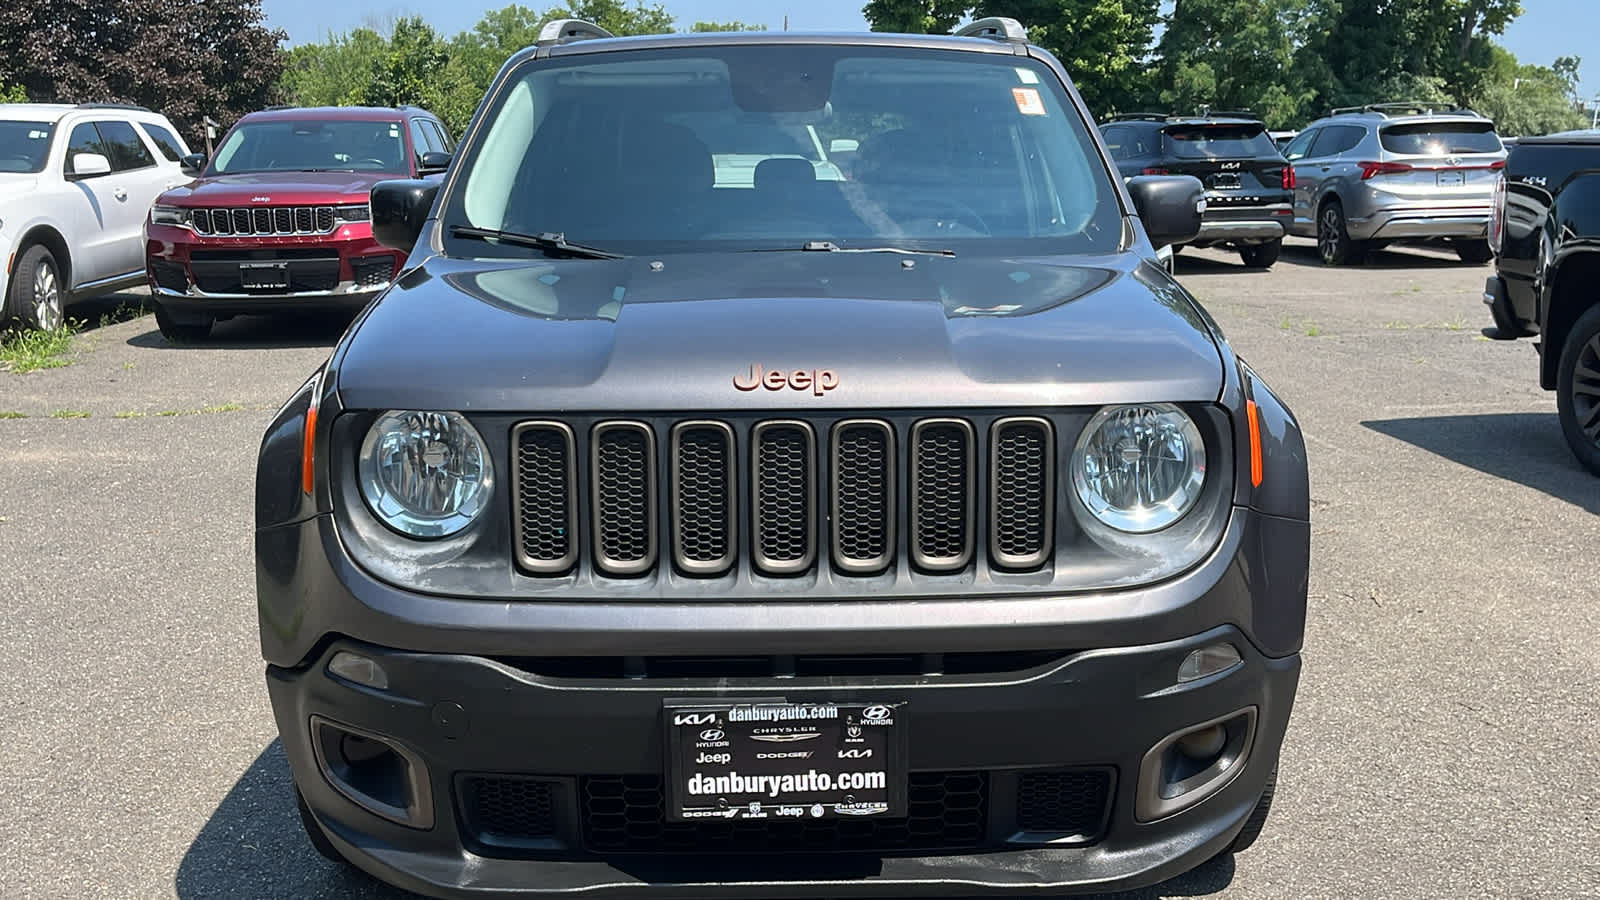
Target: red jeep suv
277, 219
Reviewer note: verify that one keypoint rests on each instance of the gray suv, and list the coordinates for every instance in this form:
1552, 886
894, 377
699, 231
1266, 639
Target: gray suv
1369, 176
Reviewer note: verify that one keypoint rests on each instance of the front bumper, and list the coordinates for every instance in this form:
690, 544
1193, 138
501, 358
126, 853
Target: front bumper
1099, 710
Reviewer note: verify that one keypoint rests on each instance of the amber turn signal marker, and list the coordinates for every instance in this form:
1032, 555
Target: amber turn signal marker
1255, 443
308, 450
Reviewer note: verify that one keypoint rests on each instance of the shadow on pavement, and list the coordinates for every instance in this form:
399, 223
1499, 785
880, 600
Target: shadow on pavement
279, 332
1397, 257
1526, 448
252, 848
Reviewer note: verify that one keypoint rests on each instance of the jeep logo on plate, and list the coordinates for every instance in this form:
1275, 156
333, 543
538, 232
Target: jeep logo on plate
817, 381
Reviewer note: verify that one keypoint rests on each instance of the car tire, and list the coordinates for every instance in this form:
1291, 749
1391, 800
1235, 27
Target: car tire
314, 832
1578, 395
1474, 252
1334, 243
1261, 256
38, 292
179, 330
1258, 816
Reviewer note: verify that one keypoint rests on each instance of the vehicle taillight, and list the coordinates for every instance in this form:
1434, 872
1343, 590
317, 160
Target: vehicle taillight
1497, 213
1498, 164
1154, 170
1288, 178
1370, 168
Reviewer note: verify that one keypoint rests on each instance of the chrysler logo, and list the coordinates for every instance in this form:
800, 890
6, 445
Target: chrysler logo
817, 381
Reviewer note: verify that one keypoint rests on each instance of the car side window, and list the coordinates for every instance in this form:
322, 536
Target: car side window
127, 151
84, 139
1301, 145
1116, 142
1337, 139
440, 138
165, 141
419, 140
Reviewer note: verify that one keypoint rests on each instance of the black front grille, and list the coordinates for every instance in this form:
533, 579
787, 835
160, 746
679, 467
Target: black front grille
785, 497
507, 809
703, 509
843, 665
863, 496
624, 498
627, 814
170, 276
263, 221
942, 488
372, 271
1069, 801
545, 518
1022, 469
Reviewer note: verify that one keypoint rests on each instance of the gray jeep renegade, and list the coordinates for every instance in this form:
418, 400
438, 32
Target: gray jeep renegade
782, 469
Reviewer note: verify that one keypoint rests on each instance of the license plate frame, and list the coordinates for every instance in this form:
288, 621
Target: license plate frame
1451, 179
1225, 181
863, 741
264, 276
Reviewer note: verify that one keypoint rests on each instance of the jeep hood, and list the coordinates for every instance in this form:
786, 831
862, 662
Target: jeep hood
280, 189
674, 332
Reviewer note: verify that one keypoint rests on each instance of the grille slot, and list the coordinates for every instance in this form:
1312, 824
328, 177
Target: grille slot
283, 220
624, 511
507, 810
544, 517
942, 494
863, 495
1021, 491
323, 216
703, 516
263, 221
783, 497
1069, 802
627, 814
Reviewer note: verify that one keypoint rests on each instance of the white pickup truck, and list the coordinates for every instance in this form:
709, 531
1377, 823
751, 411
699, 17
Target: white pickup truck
76, 185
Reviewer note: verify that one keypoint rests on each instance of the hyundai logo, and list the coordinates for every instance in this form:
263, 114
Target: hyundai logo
712, 734
875, 713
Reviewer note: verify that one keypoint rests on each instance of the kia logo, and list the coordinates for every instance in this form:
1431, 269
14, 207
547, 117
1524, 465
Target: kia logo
817, 381
704, 718
875, 713
712, 734
856, 753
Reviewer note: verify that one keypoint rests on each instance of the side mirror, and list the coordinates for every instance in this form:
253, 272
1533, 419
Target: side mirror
85, 165
193, 164
399, 208
433, 161
1169, 207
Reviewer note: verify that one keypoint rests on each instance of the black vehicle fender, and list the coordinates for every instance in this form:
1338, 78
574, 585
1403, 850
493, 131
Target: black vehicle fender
1284, 488
281, 497
1568, 275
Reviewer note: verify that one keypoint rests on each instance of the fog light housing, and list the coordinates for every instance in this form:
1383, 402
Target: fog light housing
359, 669
1208, 660
1189, 765
373, 772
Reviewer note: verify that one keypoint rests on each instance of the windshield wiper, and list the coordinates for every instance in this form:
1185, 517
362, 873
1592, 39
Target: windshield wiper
549, 241
831, 247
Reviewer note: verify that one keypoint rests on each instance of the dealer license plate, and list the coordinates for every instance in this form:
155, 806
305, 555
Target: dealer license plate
264, 275
761, 760
1452, 179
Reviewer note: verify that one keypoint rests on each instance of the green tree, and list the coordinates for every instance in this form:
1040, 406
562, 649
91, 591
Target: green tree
710, 27
13, 93
411, 71
334, 72
1232, 54
915, 16
1529, 100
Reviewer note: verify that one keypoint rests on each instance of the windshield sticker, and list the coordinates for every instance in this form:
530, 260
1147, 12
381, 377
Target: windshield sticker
1027, 76
1029, 102
38, 135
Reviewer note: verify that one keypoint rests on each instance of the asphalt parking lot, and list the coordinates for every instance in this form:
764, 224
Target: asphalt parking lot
1443, 745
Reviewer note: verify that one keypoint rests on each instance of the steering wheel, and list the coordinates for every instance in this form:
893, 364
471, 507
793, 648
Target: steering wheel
947, 217
374, 160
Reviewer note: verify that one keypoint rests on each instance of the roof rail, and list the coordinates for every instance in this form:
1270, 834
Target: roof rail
1403, 108
565, 31
130, 106
1231, 114
996, 28
1137, 117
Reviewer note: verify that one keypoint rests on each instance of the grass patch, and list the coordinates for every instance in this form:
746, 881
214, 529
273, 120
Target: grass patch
70, 414
1313, 331
1398, 325
128, 414
222, 408
12, 414
1455, 325
169, 412
29, 351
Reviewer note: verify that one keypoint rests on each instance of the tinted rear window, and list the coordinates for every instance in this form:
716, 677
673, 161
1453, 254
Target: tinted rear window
1213, 141
1435, 138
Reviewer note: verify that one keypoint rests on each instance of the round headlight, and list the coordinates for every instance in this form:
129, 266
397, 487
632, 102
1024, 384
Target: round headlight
425, 474
1139, 468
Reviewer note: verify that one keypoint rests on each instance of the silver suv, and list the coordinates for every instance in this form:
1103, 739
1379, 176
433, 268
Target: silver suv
1369, 176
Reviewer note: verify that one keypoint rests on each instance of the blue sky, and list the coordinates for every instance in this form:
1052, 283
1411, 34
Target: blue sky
1547, 28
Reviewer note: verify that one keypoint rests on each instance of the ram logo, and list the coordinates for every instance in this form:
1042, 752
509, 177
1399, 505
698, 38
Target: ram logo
703, 718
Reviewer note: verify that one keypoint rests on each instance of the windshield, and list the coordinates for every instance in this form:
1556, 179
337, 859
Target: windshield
24, 145
772, 147
1440, 138
299, 146
1216, 141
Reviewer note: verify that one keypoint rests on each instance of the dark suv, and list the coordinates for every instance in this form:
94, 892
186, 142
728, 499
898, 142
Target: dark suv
277, 219
1249, 187
693, 519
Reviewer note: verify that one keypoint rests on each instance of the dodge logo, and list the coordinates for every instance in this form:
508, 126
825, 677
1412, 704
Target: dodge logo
817, 381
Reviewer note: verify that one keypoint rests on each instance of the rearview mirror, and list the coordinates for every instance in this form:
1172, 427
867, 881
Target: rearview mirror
399, 209
1169, 207
192, 164
433, 161
85, 165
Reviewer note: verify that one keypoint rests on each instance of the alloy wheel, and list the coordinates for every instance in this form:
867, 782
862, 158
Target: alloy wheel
1586, 390
1330, 234
47, 307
